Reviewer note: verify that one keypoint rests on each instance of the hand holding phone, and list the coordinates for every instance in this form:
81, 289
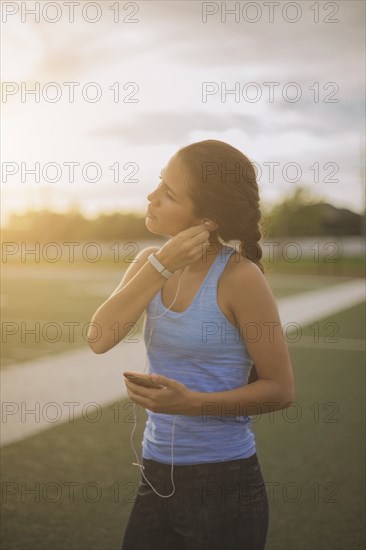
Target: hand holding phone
142, 380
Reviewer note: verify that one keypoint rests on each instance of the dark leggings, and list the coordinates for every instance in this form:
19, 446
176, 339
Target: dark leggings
216, 505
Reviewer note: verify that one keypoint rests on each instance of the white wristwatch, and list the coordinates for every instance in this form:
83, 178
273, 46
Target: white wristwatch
159, 266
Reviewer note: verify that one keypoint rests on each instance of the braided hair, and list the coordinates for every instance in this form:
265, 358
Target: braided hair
222, 185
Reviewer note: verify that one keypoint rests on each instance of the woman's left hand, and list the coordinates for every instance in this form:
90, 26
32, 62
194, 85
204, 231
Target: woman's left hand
174, 398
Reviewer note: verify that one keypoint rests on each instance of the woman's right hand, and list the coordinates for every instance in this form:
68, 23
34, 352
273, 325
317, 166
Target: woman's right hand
185, 248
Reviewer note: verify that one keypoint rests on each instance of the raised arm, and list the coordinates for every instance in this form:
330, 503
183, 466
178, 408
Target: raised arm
123, 308
114, 319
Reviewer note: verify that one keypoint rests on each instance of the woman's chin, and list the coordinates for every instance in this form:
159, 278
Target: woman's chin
149, 223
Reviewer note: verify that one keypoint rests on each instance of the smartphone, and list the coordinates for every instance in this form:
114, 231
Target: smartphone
142, 380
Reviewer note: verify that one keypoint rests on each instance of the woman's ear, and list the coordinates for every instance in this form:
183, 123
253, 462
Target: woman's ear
211, 225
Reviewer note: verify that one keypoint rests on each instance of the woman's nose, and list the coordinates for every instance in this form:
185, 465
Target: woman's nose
152, 195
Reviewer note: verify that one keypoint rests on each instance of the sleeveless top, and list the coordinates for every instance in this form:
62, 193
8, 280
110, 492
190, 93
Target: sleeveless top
200, 348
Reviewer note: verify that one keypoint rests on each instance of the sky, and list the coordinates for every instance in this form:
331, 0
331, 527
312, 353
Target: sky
119, 87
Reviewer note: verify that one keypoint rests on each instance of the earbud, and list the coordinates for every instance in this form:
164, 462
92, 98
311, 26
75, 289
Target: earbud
207, 223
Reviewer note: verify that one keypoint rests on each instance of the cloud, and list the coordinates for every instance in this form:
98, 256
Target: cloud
305, 43
166, 127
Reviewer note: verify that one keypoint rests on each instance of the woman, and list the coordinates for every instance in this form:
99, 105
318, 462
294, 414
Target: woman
210, 316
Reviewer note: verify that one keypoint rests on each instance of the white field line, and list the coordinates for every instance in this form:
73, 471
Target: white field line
38, 394
310, 306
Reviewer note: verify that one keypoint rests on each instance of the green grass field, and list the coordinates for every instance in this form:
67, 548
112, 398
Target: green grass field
312, 457
316, 260
46, 310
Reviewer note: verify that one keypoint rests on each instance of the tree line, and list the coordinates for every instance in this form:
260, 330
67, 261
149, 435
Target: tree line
298, 215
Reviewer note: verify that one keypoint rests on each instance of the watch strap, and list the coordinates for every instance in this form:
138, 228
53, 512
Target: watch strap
159, 266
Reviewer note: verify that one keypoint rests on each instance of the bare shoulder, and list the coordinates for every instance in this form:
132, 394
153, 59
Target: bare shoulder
244, 282
238, 267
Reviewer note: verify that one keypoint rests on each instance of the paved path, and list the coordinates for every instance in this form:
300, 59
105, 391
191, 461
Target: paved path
38, 394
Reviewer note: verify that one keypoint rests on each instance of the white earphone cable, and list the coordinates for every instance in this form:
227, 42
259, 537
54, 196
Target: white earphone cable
134, 408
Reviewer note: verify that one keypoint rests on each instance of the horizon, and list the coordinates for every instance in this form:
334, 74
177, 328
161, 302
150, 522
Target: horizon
86, 120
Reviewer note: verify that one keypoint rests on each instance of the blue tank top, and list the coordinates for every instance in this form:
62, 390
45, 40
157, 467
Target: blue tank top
202, 349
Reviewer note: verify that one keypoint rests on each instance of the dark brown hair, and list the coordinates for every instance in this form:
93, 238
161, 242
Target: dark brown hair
223, 187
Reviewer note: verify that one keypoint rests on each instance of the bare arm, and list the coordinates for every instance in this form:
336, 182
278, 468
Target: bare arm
272, 384
116, 316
